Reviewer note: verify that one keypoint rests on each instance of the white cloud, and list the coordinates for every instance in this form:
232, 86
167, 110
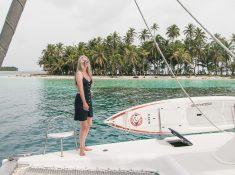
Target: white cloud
72, 21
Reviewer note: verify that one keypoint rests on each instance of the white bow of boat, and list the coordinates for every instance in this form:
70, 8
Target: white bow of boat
208, 154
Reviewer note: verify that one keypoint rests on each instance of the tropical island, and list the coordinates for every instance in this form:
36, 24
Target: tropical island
192, 53
8, 68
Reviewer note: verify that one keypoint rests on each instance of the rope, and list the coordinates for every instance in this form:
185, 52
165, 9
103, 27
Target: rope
171, 71
207, 31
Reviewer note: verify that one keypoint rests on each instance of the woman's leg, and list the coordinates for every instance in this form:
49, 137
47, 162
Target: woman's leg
82, 138
89, 124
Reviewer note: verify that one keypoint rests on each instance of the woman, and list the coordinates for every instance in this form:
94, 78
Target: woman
83, 103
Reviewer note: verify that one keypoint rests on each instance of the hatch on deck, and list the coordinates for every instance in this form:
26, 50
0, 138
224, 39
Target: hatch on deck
180, 142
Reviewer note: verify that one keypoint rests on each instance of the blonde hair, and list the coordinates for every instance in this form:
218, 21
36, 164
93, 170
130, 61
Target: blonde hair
80, 65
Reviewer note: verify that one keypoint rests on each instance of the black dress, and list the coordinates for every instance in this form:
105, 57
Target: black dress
80, 113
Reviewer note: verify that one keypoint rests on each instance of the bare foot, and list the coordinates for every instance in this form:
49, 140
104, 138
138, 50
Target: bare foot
82, 152
87, 149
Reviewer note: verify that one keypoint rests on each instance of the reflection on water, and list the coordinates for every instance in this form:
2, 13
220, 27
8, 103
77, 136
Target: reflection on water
26, 104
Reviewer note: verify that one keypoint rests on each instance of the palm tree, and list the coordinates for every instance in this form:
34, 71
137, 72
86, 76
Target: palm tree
226, 57
153, 54
99, 58
52, 59
82, 48
130, 36
163, 44
131, 57
113, 54
173, 32
116, 39
220, 58
232, 68
183, 58
233, 42
154, 28
112, 45
143, 58
174, 53
233, 38
92, 43
189, 31
144, 35
199, 44
115, 60
47, 58
70, 56
58, 67
200, 35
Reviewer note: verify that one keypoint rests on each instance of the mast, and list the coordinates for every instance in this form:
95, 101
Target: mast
8, 30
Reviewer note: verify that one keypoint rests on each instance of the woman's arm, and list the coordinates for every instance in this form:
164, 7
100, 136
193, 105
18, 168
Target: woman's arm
92, 94
79, 78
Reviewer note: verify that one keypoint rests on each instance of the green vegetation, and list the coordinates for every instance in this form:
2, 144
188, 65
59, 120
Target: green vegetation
195, 54
8, 69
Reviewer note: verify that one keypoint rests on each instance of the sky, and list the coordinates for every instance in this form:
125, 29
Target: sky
72, 21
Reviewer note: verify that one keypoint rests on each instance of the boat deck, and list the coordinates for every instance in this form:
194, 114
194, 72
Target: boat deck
139, 156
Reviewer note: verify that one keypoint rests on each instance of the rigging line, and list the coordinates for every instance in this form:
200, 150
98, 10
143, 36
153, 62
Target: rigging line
207, 31
174, 76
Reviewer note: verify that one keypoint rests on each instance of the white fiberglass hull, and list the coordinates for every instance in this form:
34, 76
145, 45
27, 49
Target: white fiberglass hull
145, 155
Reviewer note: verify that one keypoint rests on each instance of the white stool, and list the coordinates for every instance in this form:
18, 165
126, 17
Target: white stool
61, 135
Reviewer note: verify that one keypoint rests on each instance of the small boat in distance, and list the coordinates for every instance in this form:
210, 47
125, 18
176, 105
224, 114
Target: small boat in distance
179, 114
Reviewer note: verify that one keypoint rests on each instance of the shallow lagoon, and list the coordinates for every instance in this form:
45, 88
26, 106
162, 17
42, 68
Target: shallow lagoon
27, 103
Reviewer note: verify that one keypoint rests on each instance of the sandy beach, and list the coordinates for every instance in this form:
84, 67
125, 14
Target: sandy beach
44, 75
131, 77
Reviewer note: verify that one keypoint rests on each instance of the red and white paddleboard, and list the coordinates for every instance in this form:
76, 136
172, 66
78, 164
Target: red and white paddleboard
179, 114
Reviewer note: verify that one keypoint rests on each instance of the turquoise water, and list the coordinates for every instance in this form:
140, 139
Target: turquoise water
27, 103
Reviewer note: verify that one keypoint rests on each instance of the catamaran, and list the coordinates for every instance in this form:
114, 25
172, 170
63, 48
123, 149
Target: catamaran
193, 154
